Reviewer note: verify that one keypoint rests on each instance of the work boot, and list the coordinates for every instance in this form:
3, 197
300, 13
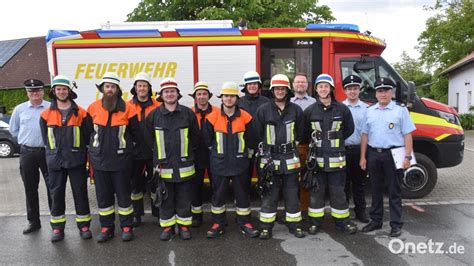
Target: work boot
314, 229
215, 231
105, 234
167, 233
347, 227
127, 233
371, 227
362, 216
31, 227
297, 232
184, 233
58, 235
85, 233
395, 232
137, 221
248, 230
265, 234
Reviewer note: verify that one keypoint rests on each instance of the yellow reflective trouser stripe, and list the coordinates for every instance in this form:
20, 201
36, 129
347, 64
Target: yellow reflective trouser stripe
241, 142
217, 210
77, 137
316, 213
334, 162
160, 144
270, 134
168, 222
187, 171
293, 217
290, 137
243, 211
125, 211
183, 133
340, 214
83, 218
58, 219
95, 143
107, 211
334, 165
121, 136
166, 173
219, 142
184, 221
196, 210
52, 140
137, 196
293, 163
267, 217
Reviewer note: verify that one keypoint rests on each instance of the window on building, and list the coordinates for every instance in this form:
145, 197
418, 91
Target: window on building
469, 99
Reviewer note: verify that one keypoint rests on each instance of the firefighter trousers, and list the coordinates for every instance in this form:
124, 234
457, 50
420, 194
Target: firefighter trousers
57, 186
142, 172
334, 183
176, 208
31, 161
355, 179
220, 185
290, 186
108, 184
380, 165
197, 185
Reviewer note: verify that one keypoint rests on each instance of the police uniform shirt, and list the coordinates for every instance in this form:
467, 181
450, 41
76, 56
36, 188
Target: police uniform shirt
387, 126
24, 123
358, 113
303, 102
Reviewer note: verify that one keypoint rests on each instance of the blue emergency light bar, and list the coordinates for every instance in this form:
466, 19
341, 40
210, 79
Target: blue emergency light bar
342, 27
209, 32
128, 33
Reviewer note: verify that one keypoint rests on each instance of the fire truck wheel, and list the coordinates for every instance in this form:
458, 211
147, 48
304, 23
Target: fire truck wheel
420, 179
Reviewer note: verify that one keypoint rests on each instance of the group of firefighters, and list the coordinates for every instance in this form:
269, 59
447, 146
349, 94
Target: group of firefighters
161, 146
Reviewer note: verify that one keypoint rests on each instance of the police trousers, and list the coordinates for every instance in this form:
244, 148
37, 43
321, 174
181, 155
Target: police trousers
220, 185
355, 179
176, 208
31, 161
290, 185
109, 184
197, 185
380, 165
57, 183
334, 183
142, 172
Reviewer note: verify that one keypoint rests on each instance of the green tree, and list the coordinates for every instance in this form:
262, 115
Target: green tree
258, 13
412, 69
448, 37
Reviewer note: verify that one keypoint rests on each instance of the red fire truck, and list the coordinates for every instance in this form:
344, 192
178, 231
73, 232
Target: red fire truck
215, 51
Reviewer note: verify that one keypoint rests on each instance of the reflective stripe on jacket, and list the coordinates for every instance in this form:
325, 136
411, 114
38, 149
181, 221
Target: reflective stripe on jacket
142, 149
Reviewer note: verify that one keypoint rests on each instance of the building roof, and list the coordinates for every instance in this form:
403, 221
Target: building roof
465, 61
23, 59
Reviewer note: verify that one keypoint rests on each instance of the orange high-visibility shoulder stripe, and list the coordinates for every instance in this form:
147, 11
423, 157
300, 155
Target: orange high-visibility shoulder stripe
53, 117
148, 109
198, 114
98, 113
219, 121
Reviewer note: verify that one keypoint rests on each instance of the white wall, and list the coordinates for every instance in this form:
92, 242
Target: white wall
457, 84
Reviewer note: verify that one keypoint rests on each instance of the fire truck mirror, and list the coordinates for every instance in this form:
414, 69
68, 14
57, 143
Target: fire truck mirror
411, 93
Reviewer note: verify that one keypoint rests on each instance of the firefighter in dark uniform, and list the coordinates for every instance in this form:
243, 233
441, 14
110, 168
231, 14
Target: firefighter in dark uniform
202, 108
250, 102
356, 177
142, 167
24, 126
111, 154
176, 132
229, 134
387, 125
328, 123
66, 129
280, 129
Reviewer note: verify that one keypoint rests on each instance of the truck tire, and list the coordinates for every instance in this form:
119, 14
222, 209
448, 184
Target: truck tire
420, 179
6, 149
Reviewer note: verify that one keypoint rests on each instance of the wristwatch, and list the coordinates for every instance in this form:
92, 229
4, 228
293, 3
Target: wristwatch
409, 157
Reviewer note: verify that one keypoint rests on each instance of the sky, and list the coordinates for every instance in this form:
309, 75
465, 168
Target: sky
398, 22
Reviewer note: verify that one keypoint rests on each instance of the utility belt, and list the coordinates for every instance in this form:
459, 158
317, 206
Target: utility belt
282, 148
381, 150
330, 134
32, 149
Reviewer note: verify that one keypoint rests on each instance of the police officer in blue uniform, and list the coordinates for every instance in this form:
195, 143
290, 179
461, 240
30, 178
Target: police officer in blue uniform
356, 177
387, 125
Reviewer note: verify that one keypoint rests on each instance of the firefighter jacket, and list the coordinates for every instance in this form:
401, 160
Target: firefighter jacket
332, 125
229, 139
175, 141
202, 152
251, 104
111, 143
142, 149
280, 132
65, 141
